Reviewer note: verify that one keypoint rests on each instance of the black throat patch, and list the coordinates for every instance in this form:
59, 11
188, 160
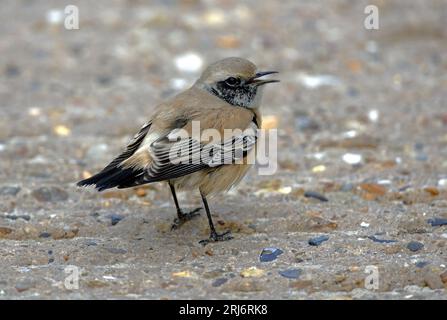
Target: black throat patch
240, 96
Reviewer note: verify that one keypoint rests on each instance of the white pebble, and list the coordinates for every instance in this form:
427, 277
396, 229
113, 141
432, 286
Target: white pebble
319, 155
178, 83
373, 115
34, 111
55, 16
352, 158
442, 182
189, 62
350, 134
316, 81
364, 224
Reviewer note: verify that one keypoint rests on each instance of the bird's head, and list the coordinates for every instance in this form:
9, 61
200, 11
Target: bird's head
236, 81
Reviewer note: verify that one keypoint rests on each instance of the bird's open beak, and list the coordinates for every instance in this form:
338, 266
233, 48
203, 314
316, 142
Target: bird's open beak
255, 80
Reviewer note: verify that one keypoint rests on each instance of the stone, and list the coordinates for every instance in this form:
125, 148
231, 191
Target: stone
50, 194
269, 254
9, 191
219, 281
315, 195
414, 246
291, 273
316, 241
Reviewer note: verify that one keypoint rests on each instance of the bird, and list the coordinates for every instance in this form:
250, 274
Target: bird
225, 98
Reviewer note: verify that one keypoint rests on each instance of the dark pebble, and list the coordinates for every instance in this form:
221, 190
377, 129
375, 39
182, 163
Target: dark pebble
346, 187
219, 281
375, 239
44, 235
421, 264
51, 260
269, 254
435, 222
13, 217
291, 273
24, 285
116, 250
12, 71
104, 80
50, 194
306, 123
115, 218
415, 246
421, 157
9, 191
91, 243
315, 195
50, 252
318, 240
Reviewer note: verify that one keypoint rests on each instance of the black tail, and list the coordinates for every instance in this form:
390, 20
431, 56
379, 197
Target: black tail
114, 177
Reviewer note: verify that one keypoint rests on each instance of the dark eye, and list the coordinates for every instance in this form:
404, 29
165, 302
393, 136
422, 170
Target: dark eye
231, 81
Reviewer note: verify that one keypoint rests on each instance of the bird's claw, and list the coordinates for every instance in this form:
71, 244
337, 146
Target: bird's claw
215, 237
183, 217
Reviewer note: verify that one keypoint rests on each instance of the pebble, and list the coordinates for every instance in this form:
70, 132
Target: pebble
414, 246
364, 224
252, 272
9, 191
12, 71
316, 81
421, 264
50, 194
352, 158
116, 250
270, 254
375, 239
189, 62
433, 281
55, 16
219, 281
44, 235
304, 122
317, 240
291, 273
315, 195
115, 218
4, 231
435, 222
346, 187
373, 115
14, 217
444, 277
24, 285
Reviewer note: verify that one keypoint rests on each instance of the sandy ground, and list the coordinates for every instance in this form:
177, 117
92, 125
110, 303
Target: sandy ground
361, 117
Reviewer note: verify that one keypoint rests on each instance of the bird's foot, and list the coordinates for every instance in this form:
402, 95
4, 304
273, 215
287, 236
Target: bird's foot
215, 237
183, 217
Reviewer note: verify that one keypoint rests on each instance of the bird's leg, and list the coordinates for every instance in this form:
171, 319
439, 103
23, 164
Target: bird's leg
181, 216
214, 236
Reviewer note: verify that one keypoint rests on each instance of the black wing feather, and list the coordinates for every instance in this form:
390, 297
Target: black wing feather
113, 175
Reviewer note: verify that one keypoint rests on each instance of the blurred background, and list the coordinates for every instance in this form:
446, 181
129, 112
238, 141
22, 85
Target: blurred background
361, 117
